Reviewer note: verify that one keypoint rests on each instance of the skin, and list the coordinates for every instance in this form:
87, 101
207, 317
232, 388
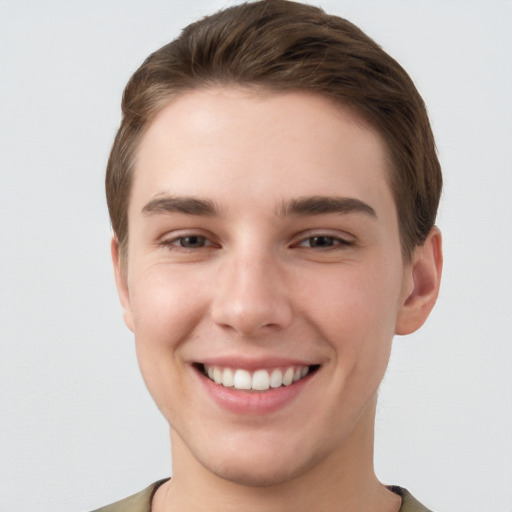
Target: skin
258, 283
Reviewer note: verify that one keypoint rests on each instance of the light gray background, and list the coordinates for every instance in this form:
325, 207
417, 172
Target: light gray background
77, 427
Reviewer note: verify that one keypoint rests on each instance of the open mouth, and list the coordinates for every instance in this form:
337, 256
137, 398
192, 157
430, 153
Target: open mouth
258, 380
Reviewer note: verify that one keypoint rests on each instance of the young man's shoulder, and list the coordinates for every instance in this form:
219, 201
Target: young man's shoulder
141, 502
409, 502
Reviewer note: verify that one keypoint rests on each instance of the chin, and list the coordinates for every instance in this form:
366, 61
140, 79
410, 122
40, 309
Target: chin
262, 474
261, 461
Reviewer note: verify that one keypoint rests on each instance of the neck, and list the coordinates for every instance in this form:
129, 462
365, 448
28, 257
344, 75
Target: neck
343, 480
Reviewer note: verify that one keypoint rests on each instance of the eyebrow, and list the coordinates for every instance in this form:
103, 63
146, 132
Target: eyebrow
181, 204
302, 206
318, 205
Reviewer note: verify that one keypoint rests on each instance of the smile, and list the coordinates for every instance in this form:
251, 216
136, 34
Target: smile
258, 380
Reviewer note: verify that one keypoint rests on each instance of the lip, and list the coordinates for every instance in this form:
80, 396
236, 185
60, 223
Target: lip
253, 402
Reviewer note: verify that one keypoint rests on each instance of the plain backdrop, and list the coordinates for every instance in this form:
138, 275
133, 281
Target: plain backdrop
77, 427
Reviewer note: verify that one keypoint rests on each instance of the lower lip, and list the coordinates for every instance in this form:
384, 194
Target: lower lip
253, 402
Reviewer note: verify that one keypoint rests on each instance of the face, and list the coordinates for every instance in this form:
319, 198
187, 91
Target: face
264, 279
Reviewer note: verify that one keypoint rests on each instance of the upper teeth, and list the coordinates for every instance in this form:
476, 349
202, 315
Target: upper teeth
259, 380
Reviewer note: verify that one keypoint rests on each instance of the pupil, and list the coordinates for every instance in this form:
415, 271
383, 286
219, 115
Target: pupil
192, 241
322, 241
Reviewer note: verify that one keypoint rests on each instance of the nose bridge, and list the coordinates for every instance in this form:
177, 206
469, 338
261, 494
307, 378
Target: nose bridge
252, 294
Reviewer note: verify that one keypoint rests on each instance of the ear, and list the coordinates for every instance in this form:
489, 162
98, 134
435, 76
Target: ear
122, 284
423, 277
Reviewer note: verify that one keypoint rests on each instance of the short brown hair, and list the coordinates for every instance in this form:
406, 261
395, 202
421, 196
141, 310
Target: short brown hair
279, 45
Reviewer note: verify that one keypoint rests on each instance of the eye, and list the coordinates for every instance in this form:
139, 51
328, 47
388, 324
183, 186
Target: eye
324, 242
191, 242
187, 242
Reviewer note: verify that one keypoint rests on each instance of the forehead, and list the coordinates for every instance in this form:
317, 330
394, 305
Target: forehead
221, 141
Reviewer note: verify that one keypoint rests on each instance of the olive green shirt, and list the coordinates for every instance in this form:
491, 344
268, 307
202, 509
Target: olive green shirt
141, 502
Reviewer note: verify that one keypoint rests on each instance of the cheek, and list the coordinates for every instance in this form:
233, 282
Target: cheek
166, 309
165, 306
355, 307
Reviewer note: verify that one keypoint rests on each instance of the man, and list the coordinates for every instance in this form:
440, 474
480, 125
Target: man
273, 189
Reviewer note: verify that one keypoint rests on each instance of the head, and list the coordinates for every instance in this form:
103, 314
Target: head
272, 189
285, 46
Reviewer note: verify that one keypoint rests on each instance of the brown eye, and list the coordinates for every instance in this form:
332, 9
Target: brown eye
192, 242
325, 241
322, 241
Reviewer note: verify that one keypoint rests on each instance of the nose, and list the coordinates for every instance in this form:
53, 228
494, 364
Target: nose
252, 297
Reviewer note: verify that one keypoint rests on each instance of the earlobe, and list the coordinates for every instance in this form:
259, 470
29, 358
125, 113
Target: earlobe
425, 274
121, 283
